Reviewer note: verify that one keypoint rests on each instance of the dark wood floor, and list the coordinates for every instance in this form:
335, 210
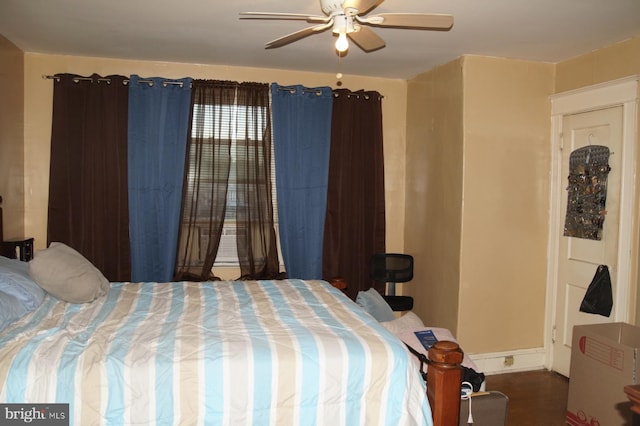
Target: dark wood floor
535, 397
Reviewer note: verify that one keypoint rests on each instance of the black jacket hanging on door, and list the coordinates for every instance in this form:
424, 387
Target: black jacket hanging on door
599, 297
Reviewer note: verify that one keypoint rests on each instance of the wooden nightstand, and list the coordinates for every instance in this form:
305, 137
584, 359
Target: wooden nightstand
339, 283
21, 248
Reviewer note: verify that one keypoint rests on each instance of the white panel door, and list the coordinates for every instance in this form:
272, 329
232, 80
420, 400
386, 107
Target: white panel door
578, 258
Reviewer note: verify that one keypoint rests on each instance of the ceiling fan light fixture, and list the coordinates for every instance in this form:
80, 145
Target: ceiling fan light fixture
342, 44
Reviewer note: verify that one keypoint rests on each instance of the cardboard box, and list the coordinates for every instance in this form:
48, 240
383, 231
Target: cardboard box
604, 359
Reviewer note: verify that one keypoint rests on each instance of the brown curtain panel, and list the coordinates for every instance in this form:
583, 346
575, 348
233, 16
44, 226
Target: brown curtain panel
355, 219
88, 201
204, 198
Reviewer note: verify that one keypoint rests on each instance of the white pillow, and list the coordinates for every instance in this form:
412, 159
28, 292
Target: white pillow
404, 328
67, 275
408, 321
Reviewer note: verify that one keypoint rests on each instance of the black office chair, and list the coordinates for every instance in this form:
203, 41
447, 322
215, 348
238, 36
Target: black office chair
393, 268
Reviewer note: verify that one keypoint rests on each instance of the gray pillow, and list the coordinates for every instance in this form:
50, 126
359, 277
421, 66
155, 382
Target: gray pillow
66, 274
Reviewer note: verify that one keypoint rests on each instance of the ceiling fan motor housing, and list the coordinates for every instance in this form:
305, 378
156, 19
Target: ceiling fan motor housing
344, 24
332, 7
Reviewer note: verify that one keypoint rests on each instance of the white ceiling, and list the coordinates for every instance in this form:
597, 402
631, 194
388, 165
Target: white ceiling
209, 32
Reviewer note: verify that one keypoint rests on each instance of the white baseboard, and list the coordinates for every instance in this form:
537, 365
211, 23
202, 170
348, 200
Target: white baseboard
510, 361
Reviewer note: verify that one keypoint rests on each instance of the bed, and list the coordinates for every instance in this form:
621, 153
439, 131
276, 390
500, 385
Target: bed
226, 352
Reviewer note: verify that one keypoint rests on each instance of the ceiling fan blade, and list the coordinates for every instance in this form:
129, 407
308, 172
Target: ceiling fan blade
291, 16
363, 6
290, 38
367, 40
425, 21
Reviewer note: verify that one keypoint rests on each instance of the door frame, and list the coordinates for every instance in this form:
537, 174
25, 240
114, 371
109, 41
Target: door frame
622, 92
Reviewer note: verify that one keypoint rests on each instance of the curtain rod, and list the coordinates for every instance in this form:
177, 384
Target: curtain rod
318, 92
165, 83
356, 94
292, 90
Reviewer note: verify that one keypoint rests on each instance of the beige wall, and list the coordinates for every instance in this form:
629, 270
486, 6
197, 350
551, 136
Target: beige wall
505, 212
478, 161
433, 214
12, 160
613, 62
38, 109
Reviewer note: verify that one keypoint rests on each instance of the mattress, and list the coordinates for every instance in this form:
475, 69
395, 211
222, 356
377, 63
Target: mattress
221, 353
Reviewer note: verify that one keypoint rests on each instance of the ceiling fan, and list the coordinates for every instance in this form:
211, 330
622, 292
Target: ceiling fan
346, 19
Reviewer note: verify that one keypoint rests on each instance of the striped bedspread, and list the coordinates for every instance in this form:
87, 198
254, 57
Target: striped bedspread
285, 352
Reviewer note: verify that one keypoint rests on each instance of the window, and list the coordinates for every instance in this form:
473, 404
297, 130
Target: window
230, 134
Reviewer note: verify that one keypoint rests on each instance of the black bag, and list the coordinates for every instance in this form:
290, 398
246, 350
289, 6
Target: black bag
471, 376
599, 298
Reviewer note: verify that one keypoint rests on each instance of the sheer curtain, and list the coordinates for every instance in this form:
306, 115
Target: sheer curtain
204, 197
355, 218
158, 123
228, 180
257, 244
88, 206
302, 137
